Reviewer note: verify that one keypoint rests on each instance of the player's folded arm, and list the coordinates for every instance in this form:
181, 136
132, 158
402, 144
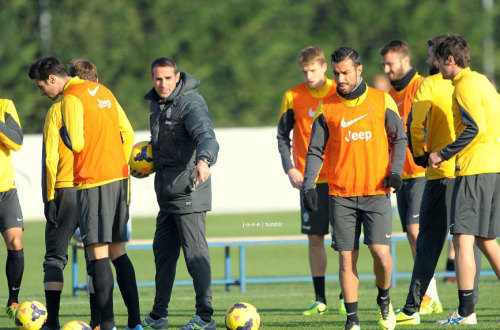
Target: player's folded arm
468, 134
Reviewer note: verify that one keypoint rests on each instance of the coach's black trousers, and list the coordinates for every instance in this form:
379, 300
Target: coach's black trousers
186, 231
434, 226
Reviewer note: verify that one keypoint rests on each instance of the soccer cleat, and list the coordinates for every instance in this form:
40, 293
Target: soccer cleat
317, 308
10, 311
351, 326
138, 327
196, 323
402, 318
386, 317
456, 319
97, 328
150, 323
430, 306
342, 310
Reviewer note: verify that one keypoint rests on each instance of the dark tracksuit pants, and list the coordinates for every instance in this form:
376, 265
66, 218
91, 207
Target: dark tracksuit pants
434, 227
173, 232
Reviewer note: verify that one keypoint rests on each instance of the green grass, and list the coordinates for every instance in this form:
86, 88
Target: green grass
280, 304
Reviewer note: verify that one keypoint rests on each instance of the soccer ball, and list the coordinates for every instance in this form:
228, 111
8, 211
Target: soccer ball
30, 315
141, 158
242, 316
76, 325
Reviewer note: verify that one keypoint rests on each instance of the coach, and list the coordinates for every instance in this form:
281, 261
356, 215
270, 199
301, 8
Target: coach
184, 148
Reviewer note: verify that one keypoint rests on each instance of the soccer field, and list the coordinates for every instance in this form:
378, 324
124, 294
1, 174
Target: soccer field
280, 304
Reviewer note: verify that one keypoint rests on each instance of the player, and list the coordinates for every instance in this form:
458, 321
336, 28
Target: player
431, 115
405, 81
101, 178
11, 217
298, 109
359, 125
475, 215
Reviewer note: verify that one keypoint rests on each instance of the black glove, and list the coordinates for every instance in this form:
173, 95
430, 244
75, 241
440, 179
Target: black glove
393, 180
422, 160
310, 200
50, 211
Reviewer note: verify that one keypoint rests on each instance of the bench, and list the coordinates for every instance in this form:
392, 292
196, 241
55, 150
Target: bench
242, 243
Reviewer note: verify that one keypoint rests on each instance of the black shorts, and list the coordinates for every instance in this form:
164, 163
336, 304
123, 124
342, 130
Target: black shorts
409, 199
348, 213
316, 223
57, 239
104, 212
10, 211
476, 205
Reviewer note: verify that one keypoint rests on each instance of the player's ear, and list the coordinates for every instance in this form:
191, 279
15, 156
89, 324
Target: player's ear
359, 69
177, 77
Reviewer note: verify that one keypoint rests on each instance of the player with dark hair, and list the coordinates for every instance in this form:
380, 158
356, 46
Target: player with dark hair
59, 197
363, 140
11, 217
405, 81
298, 109
475, 215
100, 172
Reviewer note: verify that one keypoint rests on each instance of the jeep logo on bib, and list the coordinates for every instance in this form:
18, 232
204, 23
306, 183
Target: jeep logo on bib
363, 135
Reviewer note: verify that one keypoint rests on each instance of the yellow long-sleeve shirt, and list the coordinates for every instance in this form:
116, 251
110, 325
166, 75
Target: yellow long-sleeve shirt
432, 105
476, 110
57, 159
11, 138
73, 112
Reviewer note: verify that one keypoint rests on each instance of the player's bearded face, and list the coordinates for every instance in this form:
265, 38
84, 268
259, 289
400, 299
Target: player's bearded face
347, 75
165, 80
393, 66
314, 74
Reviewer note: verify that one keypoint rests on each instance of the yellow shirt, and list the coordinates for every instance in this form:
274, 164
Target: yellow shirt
476, 109
57, 159
11, 138
431, 112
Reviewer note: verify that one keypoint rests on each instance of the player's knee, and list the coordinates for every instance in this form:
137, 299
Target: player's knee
316, 241
16, 243
53, 274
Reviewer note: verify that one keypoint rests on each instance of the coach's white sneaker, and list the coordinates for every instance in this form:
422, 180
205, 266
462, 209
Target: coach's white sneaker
456, 319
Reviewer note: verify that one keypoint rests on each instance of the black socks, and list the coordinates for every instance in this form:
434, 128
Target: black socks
125, 276
319, 288
14, 268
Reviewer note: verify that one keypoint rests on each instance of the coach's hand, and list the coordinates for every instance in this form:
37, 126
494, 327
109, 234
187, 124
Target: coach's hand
310, 200
422, 160
50, 210
393, 180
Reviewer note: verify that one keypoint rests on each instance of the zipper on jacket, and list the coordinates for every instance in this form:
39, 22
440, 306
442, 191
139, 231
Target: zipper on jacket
176, 144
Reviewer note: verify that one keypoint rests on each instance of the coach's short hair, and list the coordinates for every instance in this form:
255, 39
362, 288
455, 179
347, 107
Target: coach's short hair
311, 54
44, 67
396, 46
343, 52
454, 45
164, 61
83, 69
